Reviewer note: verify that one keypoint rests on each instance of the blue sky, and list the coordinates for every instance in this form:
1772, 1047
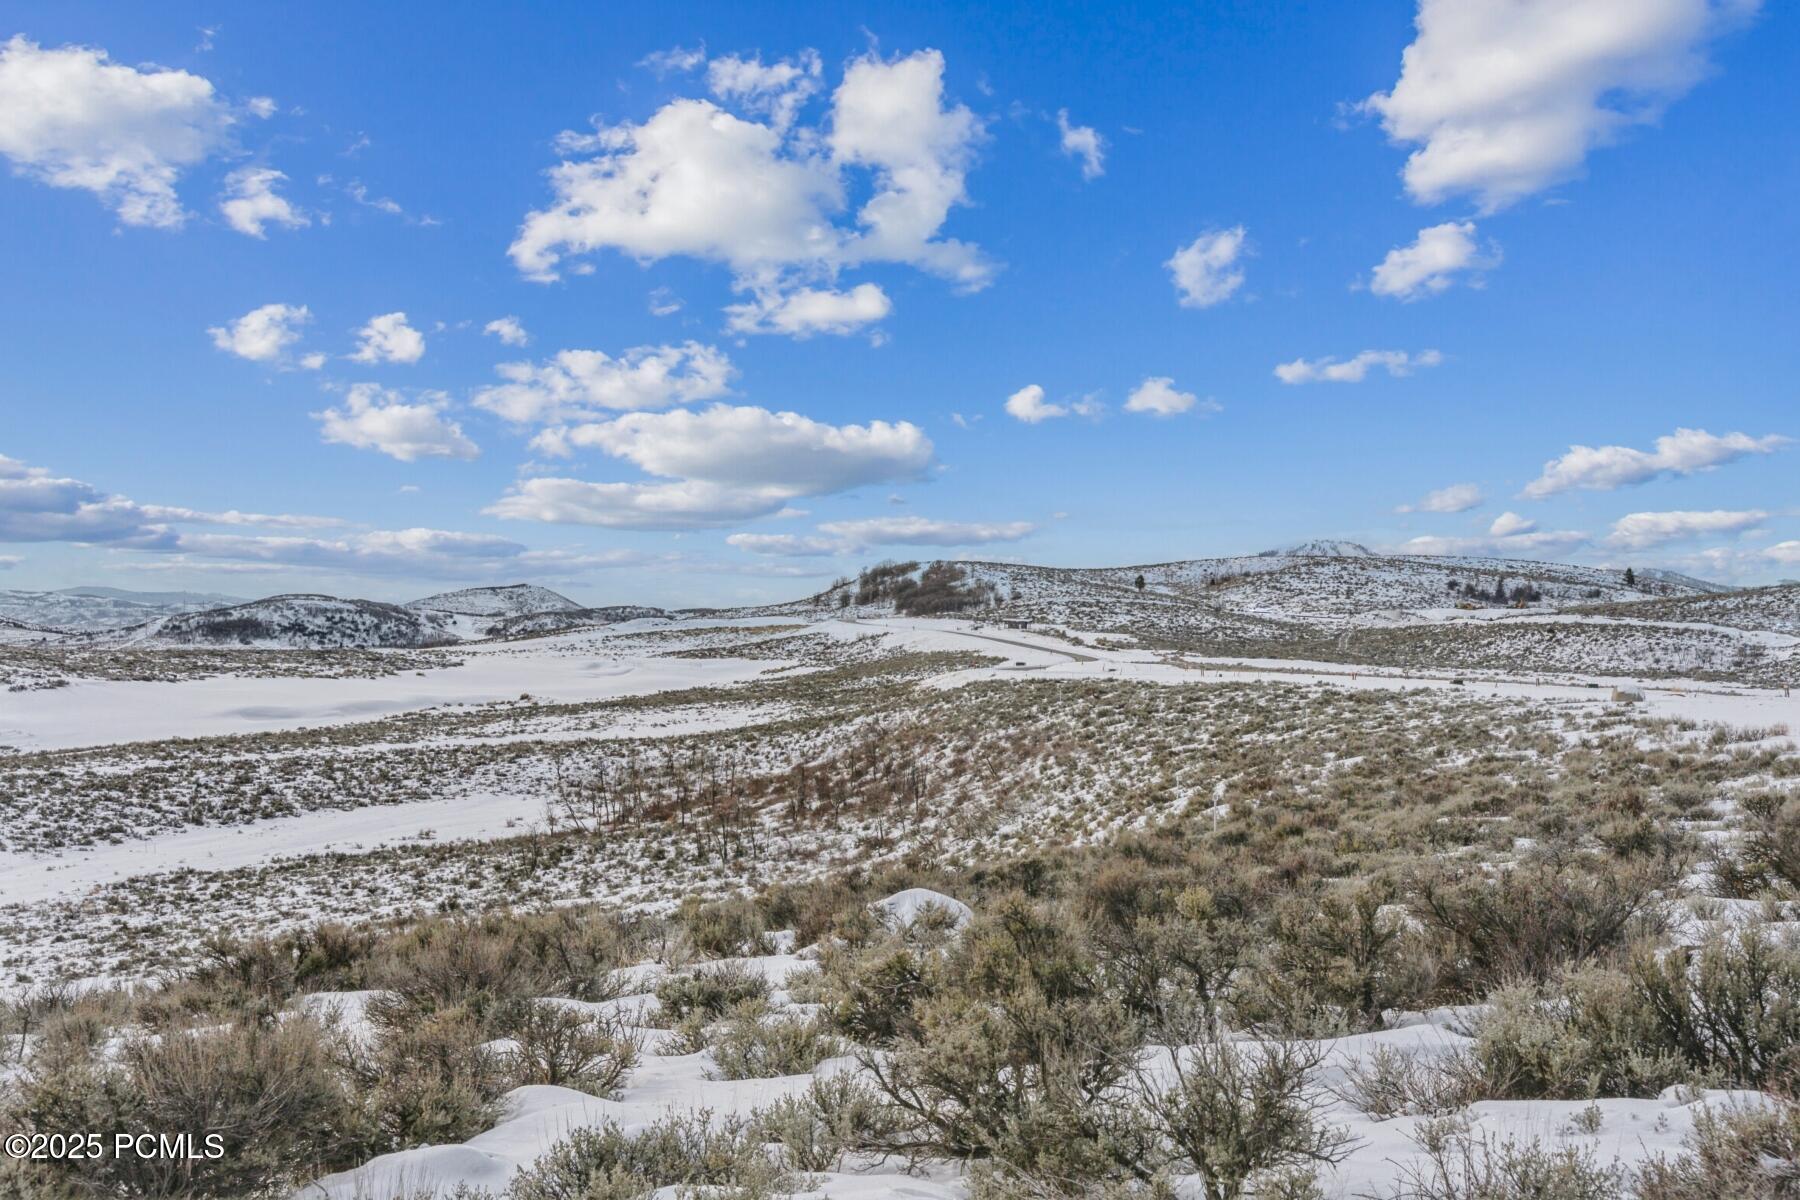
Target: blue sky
793, 290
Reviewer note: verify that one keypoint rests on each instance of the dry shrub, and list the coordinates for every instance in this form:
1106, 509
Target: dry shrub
1461, 1166
562, 1045
1528, 921
269, 1090
1747, 1152
1236, 1112
692, 1153
425, 1078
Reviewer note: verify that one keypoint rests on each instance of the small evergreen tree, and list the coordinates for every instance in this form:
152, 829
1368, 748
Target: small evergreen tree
1630, 577
1140, 581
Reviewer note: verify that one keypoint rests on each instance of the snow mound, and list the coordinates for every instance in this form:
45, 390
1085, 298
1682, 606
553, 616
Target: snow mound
513, 600
903, 908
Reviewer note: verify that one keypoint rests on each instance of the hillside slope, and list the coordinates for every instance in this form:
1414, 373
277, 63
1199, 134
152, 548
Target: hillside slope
511, 600
296, 622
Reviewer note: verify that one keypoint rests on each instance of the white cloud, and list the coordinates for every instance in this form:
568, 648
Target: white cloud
675, 60
1511, 524
36, 507
388, 338
313, 361
579, 383
683, 504
9, 561
776, 91
250, 202
803, 312
1458, 497
726, 465
1431, 263
1517, 545
786, 545
1158, 397
262, 334
1640, 530
508, 330
1397, 363
700, 181
72, 118
923, 531
1684, 452
1083, 142
375, 418
753, 447
1784, 552
1027, 404
359, 192
1206, 270
1506, 97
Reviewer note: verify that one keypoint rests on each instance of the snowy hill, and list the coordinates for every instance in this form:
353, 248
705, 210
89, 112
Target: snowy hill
297, 622
87, 609
558, 620
1321, 548
512, 600
1775, 609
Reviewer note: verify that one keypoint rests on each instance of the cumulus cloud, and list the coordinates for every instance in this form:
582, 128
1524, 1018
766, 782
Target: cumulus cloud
1027, 405
1684, 452
37, 506
1458, 497
581, 383
1511, 524
376, 418
250, 202
1505, 97
1206, 270
1517, 545
264, 334
762, 196
753, 447
388, 338
683, 504
1430, 265
508, 330
1158, 397
1397, 363
776, 91
923, 531
1784, 552
1082, 142
73, 118
803, 312
724, 465
1640, 530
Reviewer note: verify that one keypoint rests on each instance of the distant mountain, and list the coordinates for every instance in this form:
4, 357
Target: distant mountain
576, 618
512, 600
85, 610
296, 622
188, 600
1321, 548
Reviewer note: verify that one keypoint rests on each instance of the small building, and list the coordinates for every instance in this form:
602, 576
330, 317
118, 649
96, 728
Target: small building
1015, 622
